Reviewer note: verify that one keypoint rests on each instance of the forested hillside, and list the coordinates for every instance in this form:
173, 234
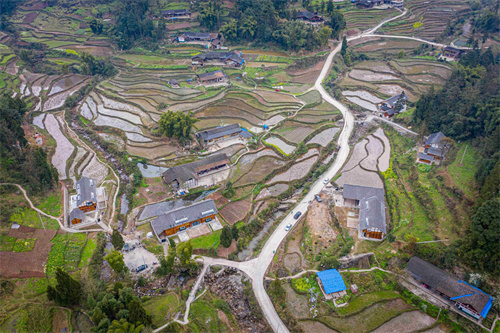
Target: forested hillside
467, 109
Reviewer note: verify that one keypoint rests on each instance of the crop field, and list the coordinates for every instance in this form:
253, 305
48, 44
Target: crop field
66, 252
296, 171
235, 211
432, 15
363, 19
260, 169
324, 137
294, 132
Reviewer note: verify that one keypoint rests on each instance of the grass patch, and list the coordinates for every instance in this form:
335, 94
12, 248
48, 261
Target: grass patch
30, 218
365, 300
463, 171
51, 204
208, 241
87, 252
160, 306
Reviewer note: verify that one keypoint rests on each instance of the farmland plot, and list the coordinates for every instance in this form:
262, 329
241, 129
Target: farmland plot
137, 137
86, 112
358, 176
80, 153
95, 170
311, 152
361, 102
272, 191
323, 138
366, 75
38, 121
273, 97
295, 134
57, 100
375, 149
363, 95
296, 171
116, 123
384, 160
64, 148
65, 83
119, 114
358, 154
260, 169
282, 145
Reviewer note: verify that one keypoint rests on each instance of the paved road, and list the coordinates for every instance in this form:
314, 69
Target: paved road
391, 123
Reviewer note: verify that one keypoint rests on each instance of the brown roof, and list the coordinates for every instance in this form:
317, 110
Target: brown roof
212, 76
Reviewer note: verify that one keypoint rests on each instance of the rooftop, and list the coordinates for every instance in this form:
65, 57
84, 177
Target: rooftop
85, 188
434, 138
200, 35
219, 132
184, 172
371, 205
212, 75
457, 290
392, 100
332, 281
222, 56
183, 215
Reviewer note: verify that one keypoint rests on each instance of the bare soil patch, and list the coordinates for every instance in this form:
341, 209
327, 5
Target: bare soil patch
155, 190
365, 75
219, 199
315, 326
407, 322
27, 264
223, 252
320, 223
296, 171
297, 304
358, 176
235, 211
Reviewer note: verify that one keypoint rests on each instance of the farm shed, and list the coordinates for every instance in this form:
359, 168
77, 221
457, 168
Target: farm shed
371, 204
180, 219
332, 284
310, 18
465, 297
218, 134
188, 175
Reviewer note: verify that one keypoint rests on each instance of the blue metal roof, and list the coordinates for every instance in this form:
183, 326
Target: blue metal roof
332, 281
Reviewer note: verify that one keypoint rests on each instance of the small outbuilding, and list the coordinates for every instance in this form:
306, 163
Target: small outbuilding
332, 284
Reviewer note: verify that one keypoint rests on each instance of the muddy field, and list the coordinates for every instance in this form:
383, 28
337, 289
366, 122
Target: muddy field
407, 322
235, 211
296, 171
64, 148
27, 264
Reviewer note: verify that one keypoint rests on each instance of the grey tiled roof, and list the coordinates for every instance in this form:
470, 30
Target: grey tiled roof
201, 35
424, 156
435, 151
183, 215
183, 173
175, 12
221, 56
219, 132
392, 100
85, 188
371, 205
444, 283
76, 213
434, 138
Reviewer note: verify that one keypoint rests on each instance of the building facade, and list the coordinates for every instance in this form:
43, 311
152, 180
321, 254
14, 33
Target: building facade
182, 218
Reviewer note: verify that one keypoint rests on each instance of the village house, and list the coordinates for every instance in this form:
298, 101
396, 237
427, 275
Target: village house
176, 14
87, 199
310, 18
212, 136
371, 204
451, 52
433, 150
210, 40
368, 3
467, 298
389, 107
212, 77
230, 59
331, 284
189, 175
180, 219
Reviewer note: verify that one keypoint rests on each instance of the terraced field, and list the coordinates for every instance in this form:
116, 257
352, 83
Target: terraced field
363, 19
432, 15
370, 82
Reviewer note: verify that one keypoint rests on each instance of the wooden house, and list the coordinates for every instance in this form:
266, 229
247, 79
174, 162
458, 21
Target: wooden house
214, 135
187, 175
371, 204
452, 52
433, 150
176, 14
310, 18
467, 298
387, 108
230, 59
212, 77
182, 218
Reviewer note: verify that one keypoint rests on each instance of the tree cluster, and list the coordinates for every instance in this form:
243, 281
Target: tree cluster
20, 162
228, 234
176, 125
178, 257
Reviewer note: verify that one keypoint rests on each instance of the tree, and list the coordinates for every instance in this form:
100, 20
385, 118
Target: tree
226, 237
337, 23
276, 288
115, 260
235, 232
343, 50
400, 103
184, 253
123, 326
210, 15
482, 246
324, 34
176, 124
137, 314
67, 291
401, 54
229, 192
117, 240
96, 26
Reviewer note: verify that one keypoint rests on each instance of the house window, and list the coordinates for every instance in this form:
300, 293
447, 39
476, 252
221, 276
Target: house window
195, 223
208, 220
182, 228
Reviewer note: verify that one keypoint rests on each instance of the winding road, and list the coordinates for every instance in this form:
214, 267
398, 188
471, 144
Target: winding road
256, 268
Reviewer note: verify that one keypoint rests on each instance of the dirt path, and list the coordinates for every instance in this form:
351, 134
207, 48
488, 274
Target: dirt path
58, 219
